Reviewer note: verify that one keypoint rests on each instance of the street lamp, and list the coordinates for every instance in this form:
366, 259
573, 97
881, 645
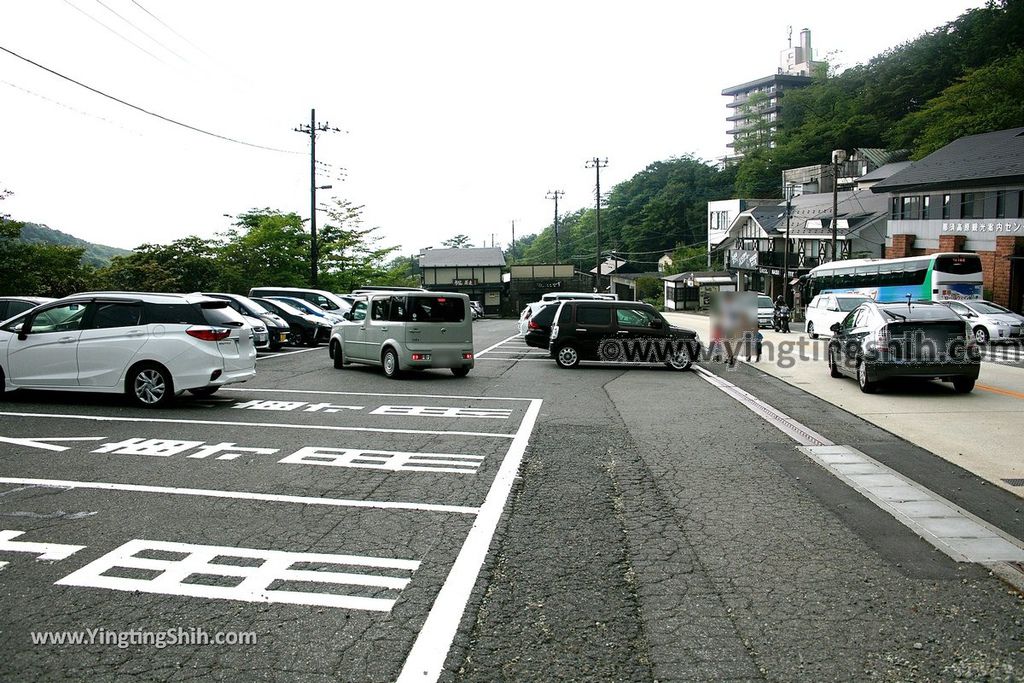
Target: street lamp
838, 157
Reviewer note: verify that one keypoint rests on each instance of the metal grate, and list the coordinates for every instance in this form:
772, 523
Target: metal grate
1014, 482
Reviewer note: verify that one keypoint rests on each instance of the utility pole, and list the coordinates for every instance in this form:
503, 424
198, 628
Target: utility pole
512, 247
312, 129
838, 157
597, 164
788, 189
555, 194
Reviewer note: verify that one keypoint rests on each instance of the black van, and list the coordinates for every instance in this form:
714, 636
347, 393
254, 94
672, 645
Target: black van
619, 331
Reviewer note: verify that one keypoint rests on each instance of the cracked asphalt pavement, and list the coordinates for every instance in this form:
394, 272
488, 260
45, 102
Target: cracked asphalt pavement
365, 529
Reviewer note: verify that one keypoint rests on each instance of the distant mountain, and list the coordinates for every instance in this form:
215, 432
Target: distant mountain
95, 254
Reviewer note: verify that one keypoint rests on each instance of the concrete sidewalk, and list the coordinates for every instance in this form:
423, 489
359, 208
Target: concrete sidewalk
978, 431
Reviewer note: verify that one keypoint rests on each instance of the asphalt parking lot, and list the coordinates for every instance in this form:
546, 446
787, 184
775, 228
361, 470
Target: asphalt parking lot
522, 523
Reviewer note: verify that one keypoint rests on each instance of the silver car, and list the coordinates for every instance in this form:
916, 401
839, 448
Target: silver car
406, 331
990, 322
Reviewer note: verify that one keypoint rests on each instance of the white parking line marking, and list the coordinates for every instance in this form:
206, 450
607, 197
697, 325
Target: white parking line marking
290, 353
494, 346
948, 527
439, 411
388, 395
242, 495
394, 461
253, 582
42, 445
426, 659
46, 551
275, 425
2, 565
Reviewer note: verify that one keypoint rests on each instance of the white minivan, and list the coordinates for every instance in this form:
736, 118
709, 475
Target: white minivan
406, 331
147, 346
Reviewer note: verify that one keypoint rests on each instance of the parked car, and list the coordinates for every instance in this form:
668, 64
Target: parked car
406, 331
538, 328
629, 331
332, 317
529, 311
277, 328
565, 296
11, 306
318, 297
303, 327
150, 347
765, 311
372, 289
924, 339
825, 310
478, 309
989, 321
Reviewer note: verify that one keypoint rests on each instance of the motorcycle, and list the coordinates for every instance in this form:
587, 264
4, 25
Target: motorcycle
780, 323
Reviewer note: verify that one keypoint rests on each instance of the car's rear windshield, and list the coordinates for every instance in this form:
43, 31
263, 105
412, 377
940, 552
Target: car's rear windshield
918, 312
545, 316
765, 302
436, 309
848, 303
220, 314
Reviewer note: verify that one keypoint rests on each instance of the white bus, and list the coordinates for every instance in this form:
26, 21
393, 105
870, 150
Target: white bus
932, 277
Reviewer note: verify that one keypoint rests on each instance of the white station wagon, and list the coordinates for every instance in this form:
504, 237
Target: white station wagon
147, 346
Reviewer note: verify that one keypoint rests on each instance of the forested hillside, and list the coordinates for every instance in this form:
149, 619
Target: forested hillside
961, 78
93, 254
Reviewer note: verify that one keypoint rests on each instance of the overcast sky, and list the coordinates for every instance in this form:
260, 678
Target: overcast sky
459, 115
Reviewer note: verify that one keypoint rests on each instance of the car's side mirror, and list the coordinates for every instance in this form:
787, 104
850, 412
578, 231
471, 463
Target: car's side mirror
835, 327
347, 315
834, 309
971, 314
657, 324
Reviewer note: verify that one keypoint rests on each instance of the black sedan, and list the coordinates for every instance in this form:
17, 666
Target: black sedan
305, 329
883, 341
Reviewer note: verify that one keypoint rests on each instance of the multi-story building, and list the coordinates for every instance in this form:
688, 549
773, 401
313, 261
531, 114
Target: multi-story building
755, 106
967, 196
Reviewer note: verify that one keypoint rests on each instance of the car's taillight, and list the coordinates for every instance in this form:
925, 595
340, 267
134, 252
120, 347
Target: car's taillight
213, 334
533, 326
467, 356
882, 339
421, 356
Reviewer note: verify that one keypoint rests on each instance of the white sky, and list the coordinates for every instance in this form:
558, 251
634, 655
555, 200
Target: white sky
461, 115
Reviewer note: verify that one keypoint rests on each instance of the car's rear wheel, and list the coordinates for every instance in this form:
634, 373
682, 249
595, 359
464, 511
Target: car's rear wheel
981, 335
963, 385
390, 362
311, 339
568, 356
336, 354
810, 331
868, 387
295, 336
460, 372
203, 392
833, 369
149, 385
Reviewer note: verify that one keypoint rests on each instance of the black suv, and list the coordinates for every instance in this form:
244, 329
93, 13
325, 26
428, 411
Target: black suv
876, 342
619, 331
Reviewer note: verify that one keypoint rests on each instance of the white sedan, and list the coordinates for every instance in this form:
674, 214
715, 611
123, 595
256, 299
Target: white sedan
989, 321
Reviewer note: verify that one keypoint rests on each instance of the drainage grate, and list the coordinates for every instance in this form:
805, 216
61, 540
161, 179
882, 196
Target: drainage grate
1014, 482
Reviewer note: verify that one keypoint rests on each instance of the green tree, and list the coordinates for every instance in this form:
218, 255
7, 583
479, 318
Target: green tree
266, 247
986, 99
459, 241
189, 264
350, 255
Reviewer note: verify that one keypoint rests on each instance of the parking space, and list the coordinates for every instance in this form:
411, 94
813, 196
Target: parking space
361, 519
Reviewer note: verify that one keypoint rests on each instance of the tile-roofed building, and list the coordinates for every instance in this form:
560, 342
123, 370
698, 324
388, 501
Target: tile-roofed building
475, 271
468, 257
966, 196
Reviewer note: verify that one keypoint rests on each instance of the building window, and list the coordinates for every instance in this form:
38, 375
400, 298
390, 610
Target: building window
894, 208
1001, 204
945, 205
1020, 204
967, 205
910, 208
926, 203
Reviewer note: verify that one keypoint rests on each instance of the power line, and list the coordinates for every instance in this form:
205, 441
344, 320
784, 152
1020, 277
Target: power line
127, 21
168, 27
70, 108
115, 32
146, 111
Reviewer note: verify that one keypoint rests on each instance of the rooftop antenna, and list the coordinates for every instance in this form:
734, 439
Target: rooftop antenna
789, 35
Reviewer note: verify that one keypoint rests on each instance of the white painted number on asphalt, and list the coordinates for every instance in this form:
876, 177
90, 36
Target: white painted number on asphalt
45, 551
437, 411
246, 574
294, 405
386, 460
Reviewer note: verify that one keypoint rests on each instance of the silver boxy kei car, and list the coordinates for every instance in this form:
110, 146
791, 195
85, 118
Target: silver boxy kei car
406, 331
